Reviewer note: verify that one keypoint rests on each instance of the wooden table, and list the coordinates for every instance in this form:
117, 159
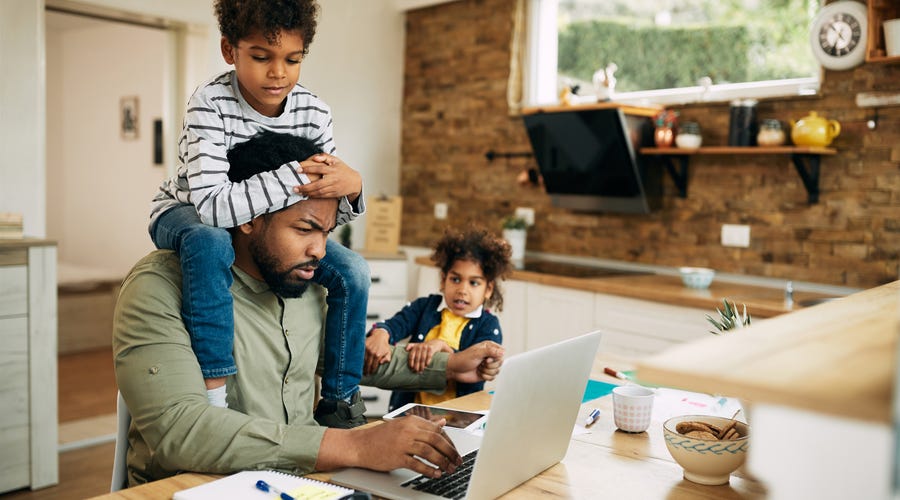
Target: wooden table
605, 463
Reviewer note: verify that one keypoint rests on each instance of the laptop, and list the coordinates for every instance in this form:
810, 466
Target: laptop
534, 408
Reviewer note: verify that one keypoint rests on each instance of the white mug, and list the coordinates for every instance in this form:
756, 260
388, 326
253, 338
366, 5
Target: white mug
892, 37
632, 407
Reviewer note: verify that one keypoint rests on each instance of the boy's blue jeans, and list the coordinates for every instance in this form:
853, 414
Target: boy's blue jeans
207, 308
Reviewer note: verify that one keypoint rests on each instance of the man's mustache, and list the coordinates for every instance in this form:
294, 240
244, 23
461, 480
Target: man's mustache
310, 264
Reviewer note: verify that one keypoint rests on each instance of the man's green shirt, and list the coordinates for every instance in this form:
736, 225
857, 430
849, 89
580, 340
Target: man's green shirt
277, 348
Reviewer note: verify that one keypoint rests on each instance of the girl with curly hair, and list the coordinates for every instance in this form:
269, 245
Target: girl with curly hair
472, 262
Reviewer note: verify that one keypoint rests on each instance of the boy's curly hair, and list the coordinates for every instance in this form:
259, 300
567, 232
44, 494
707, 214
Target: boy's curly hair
241, 18
481, 246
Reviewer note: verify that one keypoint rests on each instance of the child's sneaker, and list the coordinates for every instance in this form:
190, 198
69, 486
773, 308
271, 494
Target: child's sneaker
341, 414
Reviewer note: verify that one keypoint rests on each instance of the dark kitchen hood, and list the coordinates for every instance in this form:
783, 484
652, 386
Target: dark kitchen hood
589, 162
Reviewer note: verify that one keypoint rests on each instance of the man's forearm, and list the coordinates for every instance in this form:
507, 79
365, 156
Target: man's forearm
396, 375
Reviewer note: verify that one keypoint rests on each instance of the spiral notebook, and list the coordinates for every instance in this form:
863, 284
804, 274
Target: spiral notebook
243, 485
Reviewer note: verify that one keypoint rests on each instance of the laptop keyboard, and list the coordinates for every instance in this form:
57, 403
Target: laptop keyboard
449, 485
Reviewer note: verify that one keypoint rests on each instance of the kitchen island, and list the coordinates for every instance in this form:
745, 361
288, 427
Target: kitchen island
821, 388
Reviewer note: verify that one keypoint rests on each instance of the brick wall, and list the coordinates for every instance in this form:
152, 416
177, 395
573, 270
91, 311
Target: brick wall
454, 111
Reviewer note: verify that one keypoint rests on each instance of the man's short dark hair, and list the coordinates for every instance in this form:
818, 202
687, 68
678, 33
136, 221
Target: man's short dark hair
241, 18
267, 151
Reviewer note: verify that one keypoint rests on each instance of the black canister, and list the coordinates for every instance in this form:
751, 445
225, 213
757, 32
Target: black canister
742, 127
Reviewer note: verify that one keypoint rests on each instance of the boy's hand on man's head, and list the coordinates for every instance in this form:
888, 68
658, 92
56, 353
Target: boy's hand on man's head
337, 178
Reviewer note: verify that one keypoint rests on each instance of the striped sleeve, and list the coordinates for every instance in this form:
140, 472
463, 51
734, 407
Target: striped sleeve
203, 152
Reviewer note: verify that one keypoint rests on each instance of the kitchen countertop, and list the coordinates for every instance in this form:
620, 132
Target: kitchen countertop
761, 301
837, 358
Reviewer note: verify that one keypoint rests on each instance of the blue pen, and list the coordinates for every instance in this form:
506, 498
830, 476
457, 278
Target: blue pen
264, 486
594, 415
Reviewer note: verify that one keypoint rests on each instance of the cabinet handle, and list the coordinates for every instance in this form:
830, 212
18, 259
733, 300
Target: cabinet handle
376, 279
373, 316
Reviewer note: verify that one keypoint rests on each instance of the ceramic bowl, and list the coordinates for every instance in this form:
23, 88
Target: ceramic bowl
688, 141
696, 277
707, 461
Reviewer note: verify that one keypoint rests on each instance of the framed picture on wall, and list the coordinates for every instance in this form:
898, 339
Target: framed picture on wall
128, 117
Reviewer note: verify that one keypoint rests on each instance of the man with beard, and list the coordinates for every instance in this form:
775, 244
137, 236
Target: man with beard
279, 328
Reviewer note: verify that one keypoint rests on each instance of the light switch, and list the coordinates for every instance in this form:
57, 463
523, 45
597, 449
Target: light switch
440, 211
735, 235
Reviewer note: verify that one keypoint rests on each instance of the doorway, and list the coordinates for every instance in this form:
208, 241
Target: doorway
106, 86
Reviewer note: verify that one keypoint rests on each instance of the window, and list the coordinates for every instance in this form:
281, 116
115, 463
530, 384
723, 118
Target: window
672, 51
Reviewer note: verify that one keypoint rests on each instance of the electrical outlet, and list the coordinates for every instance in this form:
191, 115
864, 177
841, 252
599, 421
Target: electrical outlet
440, 211
527, 214
735, 235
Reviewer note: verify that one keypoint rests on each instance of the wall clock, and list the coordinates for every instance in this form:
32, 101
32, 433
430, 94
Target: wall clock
838, 34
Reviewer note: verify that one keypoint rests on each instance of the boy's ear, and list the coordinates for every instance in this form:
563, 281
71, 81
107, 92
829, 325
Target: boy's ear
227, 50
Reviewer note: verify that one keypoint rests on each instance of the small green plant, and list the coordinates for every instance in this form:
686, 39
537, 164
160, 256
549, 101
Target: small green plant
729, 318
513, 222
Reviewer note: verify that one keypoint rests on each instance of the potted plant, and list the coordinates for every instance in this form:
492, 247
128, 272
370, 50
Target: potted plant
729, 318
514, 231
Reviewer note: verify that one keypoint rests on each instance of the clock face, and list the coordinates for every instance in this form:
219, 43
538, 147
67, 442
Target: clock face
838, 34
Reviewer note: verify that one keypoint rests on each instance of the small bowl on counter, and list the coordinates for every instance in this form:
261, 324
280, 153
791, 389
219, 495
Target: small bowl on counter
705, 458
697, 277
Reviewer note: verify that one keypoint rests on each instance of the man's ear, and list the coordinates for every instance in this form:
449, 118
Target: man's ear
227, 50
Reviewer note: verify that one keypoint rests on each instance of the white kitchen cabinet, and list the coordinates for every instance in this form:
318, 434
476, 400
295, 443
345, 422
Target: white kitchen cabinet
512, 318
429, 281
387, 295
555, 313
28, 424
636, 328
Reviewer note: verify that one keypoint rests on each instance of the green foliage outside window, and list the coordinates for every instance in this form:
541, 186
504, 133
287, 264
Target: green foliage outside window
654, 58
727, 41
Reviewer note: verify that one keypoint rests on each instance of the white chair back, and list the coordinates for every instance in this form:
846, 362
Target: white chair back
120, 468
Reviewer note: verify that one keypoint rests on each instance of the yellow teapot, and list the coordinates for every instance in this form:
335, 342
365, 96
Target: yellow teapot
813, 130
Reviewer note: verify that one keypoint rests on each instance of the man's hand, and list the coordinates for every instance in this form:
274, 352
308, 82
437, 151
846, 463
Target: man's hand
420, 353
337, 180
378, 350
391, 445
477, 363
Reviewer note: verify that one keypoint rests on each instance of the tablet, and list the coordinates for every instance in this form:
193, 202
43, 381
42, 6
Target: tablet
460, 419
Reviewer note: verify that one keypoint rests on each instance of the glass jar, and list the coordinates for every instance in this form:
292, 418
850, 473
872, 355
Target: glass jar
689, 136
771, 133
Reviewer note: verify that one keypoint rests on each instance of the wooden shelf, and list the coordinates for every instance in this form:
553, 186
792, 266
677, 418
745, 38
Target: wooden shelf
880, 11
739, 150
648, 111
806, 160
